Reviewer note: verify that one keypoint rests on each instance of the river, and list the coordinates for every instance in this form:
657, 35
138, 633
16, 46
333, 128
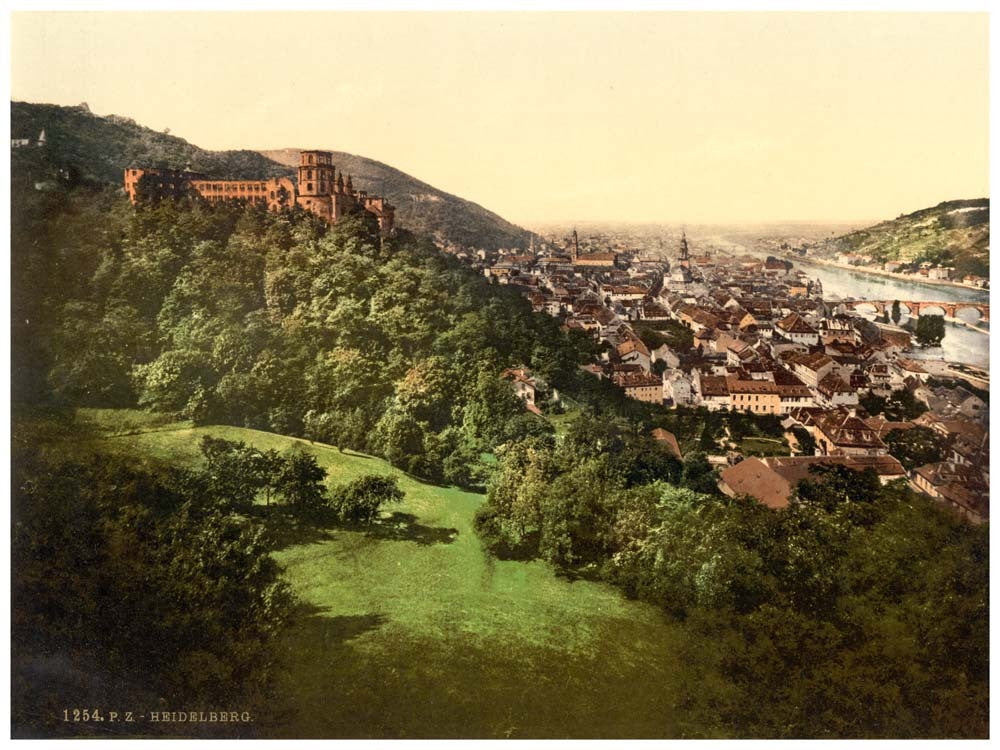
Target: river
961, 344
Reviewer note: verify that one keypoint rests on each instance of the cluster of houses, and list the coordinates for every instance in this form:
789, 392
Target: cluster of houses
762, 341
923, 270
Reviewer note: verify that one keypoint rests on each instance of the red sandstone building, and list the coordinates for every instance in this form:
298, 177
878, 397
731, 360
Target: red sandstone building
321, 189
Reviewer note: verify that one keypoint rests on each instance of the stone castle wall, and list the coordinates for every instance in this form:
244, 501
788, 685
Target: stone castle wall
320, 190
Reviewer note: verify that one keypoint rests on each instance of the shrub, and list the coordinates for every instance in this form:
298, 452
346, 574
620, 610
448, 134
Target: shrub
360, 501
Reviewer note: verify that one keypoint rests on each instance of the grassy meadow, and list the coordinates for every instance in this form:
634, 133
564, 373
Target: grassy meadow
410, 630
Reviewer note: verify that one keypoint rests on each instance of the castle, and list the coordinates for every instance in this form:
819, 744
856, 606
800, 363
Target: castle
320, 189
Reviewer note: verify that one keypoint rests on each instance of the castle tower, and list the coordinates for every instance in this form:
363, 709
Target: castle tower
316, 173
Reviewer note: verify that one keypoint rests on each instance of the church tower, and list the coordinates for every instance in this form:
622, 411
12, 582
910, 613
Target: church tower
685, 261
576, 245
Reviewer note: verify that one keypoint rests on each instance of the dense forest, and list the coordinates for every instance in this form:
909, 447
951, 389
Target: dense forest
236, 315
861, 610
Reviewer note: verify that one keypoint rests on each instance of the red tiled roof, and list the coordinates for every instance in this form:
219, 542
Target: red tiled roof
755, 478
714, 385
843, 430
793, 323
832, 384
668, 439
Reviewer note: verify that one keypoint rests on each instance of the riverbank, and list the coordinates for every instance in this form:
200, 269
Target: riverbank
908, 278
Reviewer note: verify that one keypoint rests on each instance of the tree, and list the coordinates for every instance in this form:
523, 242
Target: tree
360, 500
930, 330
903, 405
872, 403
267, 466
916, 446
899, 406
492, 408
698, 474
121, 572
897, 314
232, 471
831, 484
167, 383
300, 481
807, 443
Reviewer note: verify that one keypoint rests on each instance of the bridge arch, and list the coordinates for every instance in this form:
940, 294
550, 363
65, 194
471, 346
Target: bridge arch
868, 309
978, 311
933, 308
969, 313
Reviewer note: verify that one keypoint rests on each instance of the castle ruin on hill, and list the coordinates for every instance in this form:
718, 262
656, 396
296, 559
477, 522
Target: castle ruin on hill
319, 189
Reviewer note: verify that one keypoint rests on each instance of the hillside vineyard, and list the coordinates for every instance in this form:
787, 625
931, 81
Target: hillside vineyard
320, 189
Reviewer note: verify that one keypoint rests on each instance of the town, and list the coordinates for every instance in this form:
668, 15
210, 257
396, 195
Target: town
703, 330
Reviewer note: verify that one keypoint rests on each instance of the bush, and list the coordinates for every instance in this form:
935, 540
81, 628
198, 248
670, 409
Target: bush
359, 501
300, 482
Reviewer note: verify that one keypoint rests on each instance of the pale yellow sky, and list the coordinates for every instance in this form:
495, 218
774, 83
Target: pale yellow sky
694, 117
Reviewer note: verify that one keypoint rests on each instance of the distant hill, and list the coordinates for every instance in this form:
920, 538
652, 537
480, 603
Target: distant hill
951, 233
419, 206
97, 149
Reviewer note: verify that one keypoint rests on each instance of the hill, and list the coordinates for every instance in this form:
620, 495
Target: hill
97, 148
411, 630
953, 233
421, 207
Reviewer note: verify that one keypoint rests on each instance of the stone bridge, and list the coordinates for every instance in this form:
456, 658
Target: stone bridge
916, 308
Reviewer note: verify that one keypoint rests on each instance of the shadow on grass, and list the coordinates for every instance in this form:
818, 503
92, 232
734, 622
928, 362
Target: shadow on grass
285, 528
404, 527
585, 573
499, 549
333, 630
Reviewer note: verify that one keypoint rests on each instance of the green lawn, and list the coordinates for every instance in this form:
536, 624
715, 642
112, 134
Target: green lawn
412, 631
762, 446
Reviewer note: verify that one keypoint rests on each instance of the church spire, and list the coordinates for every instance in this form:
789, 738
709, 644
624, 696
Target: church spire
576, 245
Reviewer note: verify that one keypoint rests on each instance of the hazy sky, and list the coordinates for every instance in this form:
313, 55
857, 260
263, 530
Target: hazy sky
694, 117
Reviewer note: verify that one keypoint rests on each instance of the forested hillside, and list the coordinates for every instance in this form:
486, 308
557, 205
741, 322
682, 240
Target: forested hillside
953, 233
93, 148
100, 148
236, 315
